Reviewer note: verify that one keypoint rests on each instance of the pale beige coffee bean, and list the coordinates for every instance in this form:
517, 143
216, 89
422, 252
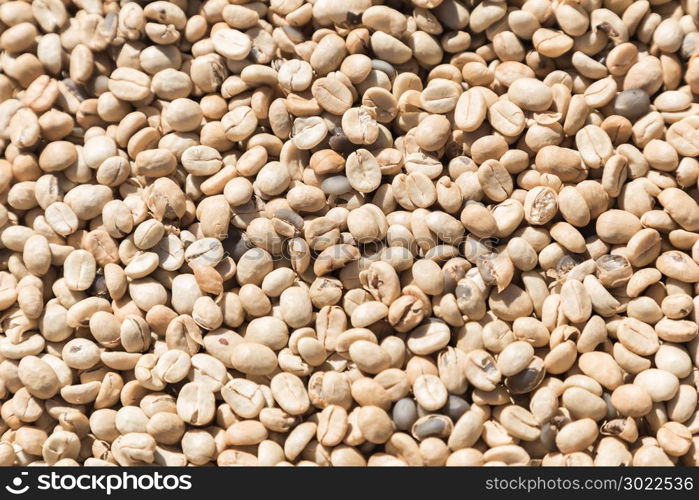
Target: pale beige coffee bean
244, 397
638, 337
540, 205
37, 255
134, 448
530, 94
295, 75
617, 226
80, 353
632, 400
678, 265
332, 95
601, 367
246, 433
674, 438
253, 359
231, 44
362, 171
506, 117
38, 377
430, 392
519, 423
576, 436
374, 424
429, 337
481, 370
681, 207
296, 307
514, 358
290, 393
332, 425
129, 84
576, 303
660, 384
195, 404
338, 233
432, 132
201, 160
471, 109
369, 357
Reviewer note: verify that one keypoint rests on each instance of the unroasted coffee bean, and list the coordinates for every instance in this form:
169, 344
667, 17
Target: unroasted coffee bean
298, 232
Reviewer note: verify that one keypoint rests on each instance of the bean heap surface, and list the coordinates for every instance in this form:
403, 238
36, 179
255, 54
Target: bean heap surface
349, 232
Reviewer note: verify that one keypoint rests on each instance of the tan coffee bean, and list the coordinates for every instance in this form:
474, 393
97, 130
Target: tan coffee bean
374, 424
38, 377
576, 436
452, 213
530, 94
631, 400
